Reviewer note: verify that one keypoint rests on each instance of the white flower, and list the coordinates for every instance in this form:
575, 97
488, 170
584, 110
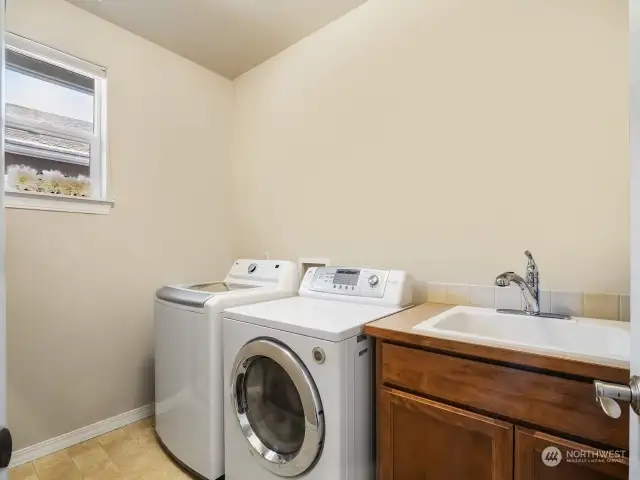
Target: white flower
66, 185
23, 178
76, 186
85, 186
50, 180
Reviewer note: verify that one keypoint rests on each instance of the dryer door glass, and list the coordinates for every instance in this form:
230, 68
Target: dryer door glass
274, 408
278, 407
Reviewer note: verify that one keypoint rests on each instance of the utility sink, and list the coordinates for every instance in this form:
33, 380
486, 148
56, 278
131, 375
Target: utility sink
584, 339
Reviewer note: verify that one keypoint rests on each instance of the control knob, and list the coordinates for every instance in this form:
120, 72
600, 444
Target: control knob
373, 280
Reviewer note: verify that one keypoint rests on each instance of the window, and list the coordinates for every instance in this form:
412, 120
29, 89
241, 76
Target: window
55, 122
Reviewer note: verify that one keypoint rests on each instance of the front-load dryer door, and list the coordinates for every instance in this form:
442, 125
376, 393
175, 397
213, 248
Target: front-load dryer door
278, 407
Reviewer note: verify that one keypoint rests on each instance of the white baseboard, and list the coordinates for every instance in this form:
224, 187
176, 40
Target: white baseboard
29, 454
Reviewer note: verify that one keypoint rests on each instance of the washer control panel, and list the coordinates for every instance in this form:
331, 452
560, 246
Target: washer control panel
363, 282
263, 273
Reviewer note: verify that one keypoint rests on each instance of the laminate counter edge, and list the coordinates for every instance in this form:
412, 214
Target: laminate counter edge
398, 328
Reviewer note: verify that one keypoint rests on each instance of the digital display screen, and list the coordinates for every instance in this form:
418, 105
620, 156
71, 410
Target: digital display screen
345, 276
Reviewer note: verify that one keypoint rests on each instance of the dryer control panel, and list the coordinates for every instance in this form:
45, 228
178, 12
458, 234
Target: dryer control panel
372, 286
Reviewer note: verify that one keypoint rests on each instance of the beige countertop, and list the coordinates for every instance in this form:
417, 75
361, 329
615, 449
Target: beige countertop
398, 328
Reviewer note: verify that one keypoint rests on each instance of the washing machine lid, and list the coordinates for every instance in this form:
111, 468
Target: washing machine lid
197, 295
324, 319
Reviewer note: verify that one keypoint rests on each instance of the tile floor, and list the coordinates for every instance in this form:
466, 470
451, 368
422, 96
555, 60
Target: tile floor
128, 453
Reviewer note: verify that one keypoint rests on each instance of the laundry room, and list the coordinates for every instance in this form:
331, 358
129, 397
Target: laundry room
328, 239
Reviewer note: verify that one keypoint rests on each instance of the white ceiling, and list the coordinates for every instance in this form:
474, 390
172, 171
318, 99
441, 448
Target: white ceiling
227, 36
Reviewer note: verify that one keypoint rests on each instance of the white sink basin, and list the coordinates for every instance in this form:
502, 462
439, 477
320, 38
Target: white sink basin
585, 339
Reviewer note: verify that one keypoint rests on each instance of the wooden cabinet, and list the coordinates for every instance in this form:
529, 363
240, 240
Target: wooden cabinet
547, 401
422, 435
575, 461
422, 439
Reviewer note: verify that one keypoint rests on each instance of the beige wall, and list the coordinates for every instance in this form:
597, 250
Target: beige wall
444, 137
80, 287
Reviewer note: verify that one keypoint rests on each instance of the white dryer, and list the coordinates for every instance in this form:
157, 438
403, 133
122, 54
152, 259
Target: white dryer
188, 357
298, 377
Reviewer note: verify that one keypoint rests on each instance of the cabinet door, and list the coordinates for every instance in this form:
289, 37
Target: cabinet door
421, 439
575, 461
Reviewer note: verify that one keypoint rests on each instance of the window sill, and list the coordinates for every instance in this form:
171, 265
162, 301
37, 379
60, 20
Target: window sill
56, 203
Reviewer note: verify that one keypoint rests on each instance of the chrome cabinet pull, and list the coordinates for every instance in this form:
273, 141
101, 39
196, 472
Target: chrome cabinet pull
609, 394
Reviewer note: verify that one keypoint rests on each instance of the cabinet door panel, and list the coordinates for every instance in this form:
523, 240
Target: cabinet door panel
422, 439
529, 465
528, 397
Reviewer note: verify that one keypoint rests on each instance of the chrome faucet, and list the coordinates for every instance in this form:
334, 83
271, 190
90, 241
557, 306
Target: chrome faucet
530, 286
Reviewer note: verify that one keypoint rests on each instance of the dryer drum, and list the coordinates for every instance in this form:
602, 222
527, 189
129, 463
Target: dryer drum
278, 407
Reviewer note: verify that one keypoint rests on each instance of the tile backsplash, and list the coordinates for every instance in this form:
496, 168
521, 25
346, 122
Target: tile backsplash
607, 306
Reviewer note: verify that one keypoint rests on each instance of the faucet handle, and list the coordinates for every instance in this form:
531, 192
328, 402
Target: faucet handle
531, 264
533, 275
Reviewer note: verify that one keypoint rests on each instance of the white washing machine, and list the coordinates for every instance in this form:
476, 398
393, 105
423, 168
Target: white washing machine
188, 357
298, 377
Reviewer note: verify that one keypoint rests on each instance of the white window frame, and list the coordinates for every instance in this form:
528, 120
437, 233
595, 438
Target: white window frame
97, 160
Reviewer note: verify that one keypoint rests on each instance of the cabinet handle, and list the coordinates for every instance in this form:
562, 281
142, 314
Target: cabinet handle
608, 395
6, 447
